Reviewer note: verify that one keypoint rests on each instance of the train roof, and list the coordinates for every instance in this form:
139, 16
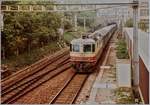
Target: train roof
97, 35
83, 41
101, 32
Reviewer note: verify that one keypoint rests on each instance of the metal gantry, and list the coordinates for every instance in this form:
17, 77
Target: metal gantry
49, 8
42, 8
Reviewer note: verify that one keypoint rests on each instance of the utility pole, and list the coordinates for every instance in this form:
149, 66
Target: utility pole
122, 25
135, 46
75, 21
84, 23
1, 21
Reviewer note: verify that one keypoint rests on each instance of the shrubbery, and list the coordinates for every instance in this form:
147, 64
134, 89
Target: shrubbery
122, 52
129, 23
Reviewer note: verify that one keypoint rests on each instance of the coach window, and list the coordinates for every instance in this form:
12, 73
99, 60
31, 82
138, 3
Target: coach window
76, 48
87, 48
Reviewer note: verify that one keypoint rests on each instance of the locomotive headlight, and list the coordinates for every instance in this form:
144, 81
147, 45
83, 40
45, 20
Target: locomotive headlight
98, 37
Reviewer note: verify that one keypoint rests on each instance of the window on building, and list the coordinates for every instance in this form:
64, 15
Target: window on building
144, 4
87, 48
144, 12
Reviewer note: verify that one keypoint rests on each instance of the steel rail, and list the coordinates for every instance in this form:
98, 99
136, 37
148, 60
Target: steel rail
33, 71
23, 82
33, 65
34, 84
67, 85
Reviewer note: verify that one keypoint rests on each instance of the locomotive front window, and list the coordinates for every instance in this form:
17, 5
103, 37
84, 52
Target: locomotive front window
76, 48
87, 48
93, 47
70, 47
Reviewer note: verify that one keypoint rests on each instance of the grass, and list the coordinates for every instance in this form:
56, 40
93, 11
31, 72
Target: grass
122, 52
124, 96
68, 36
15, 63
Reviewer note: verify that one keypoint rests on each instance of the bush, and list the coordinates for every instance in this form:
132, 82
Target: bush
67, 25
122, 52
129, 23
143, 26
124, 95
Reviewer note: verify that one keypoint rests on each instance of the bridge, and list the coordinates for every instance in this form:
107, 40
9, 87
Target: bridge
50, 8
64, 6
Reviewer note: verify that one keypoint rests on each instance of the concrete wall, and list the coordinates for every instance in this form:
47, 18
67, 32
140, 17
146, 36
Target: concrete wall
123, 67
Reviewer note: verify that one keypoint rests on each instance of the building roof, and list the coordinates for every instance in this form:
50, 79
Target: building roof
143, 44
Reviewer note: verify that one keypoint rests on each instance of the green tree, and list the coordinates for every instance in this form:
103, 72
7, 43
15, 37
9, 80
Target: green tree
23, 31
143, 26
129, 23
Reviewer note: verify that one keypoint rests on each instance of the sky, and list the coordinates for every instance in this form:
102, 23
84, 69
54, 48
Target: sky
81, 1
95, 1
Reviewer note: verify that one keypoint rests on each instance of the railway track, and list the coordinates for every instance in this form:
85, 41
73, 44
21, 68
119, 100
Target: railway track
24, 73
50, 68
69, 92
13, 91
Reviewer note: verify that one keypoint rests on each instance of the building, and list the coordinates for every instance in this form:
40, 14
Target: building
117, 13
144, 13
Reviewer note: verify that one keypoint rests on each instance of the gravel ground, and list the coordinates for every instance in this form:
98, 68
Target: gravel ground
85, 92
43, 93
106, 93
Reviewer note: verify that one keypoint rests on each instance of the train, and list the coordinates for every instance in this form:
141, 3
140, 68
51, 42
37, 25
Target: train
86, 51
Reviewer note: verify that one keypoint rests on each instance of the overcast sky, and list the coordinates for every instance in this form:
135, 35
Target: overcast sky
81, 1
95, 1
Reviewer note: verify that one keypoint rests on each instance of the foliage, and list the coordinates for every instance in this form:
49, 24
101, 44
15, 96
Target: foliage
67, 25
129, 23
89, 22
122, 52
124, 95
24, 31
9, 2
69, 36
143, 26
25, 59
